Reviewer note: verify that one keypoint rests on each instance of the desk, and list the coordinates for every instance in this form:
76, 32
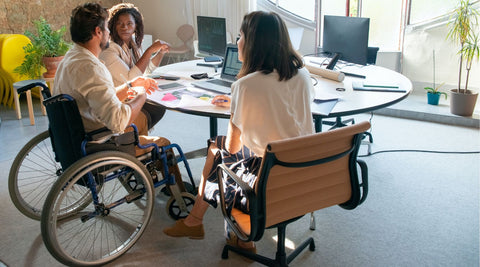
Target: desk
355, 102
351, 102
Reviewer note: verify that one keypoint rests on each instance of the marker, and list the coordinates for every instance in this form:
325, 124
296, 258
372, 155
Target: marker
220, 101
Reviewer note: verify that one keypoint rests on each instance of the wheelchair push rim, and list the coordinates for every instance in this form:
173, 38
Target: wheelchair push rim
111, 222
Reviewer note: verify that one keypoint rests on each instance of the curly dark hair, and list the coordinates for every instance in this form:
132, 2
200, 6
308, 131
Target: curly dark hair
125, 8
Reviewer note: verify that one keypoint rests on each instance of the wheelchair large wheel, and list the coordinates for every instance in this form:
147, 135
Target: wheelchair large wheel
115, 217
33, 172
174, 208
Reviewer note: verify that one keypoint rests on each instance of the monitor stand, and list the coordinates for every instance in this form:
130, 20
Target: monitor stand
333, 61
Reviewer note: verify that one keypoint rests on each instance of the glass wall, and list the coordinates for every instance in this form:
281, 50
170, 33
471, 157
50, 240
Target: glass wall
385, 26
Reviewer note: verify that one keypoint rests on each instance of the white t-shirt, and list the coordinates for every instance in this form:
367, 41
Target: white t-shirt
266, 109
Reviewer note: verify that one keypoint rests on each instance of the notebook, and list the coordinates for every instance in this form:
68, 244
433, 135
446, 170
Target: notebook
230, 69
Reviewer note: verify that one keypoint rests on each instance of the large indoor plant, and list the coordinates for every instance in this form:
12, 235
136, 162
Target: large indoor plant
462, 30
46, 50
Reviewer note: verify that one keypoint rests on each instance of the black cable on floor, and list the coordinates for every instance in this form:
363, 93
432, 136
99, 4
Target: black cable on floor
421, 151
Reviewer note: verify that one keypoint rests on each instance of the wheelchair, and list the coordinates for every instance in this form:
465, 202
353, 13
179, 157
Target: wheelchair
99, 195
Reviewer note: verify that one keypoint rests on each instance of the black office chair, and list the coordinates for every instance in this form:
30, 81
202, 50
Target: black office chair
372, 55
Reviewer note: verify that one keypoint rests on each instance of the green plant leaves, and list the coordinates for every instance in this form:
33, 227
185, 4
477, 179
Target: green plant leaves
45, 43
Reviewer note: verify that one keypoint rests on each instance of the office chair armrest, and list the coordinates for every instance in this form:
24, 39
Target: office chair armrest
248, 192
364, 184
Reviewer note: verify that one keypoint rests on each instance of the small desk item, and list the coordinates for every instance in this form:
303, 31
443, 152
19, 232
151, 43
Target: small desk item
376, 87
164, 77
212, 59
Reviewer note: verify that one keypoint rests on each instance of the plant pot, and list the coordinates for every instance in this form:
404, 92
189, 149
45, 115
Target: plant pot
51, 64
432, 98
461, 103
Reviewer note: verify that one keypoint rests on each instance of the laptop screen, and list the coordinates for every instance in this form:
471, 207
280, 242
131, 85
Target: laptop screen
231, 65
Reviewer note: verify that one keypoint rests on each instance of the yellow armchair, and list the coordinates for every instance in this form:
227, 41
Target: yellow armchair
11, 56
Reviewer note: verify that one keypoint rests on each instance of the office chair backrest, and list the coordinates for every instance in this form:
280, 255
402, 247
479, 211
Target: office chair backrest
304, 174
66, 128
372, 55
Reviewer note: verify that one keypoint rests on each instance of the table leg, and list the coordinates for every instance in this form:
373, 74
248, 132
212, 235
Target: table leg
17, 103
213, 127
44, 110
30, 107
318, 124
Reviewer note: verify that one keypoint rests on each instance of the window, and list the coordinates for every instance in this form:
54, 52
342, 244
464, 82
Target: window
387, 18
301, 8
422, 11
385, 27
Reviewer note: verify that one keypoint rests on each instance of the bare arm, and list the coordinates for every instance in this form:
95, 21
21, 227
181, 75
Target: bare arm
159, 47
233, 142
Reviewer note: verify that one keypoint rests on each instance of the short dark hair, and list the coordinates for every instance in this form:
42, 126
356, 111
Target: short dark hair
267, 46
85, 18
125, 8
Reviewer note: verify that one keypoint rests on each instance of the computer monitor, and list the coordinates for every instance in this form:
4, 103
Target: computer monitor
212, 35
346, 36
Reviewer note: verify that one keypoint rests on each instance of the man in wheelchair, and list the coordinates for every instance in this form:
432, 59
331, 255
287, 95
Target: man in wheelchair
84, 77
103, 199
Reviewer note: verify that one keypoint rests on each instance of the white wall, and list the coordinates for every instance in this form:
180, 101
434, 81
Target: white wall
162, 18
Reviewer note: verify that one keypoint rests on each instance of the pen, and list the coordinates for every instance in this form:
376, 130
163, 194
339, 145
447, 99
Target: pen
220, 101
129, 85
353, 75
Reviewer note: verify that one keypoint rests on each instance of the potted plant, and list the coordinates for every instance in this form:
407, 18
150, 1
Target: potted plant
46, 50
433, 95
462, 31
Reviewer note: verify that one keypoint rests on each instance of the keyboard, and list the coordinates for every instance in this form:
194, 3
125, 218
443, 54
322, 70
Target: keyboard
221, 82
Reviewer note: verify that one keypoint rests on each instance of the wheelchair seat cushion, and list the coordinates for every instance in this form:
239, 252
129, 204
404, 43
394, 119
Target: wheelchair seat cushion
124, 143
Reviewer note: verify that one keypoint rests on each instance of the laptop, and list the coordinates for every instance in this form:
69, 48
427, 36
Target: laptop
230, 69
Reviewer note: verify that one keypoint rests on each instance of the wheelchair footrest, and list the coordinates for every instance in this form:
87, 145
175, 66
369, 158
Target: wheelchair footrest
137, 194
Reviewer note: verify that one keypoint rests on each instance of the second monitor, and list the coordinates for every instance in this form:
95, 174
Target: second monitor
212, 35
347, 37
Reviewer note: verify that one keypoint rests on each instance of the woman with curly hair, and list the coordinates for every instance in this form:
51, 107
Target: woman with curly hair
125, 59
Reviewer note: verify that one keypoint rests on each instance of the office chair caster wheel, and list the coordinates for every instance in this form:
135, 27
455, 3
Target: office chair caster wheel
175, 209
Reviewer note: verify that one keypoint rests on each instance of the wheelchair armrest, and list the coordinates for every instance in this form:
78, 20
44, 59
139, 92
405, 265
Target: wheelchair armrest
45, 90
248, 192
99, 136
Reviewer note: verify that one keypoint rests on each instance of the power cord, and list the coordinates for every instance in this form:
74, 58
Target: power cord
419, 150
411, 150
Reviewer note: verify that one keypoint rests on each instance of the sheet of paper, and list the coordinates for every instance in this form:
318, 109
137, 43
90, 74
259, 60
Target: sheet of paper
322, 95
183, 97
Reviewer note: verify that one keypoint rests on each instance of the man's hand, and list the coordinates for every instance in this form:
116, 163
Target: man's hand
149, 84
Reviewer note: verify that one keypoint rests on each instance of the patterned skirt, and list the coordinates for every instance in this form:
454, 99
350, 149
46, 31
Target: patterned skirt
244, 164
